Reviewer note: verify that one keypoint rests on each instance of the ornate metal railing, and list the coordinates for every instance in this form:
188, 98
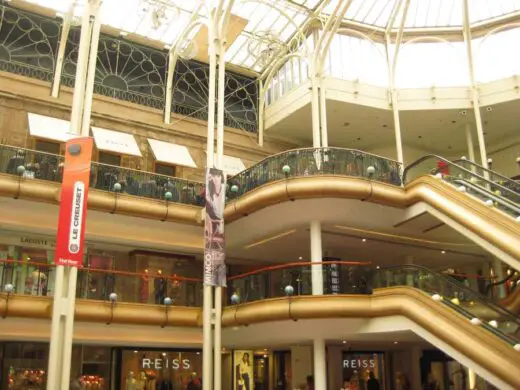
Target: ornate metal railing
314, 162
31, 164
28, 43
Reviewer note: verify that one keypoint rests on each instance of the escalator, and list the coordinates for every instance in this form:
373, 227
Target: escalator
464, 324
480, 204
483, 184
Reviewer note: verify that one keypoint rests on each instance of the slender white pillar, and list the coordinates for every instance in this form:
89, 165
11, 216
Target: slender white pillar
472, 379
65, 29
315, 110
498, 267
217, 385
64, 301
323, 116
469, 141
320, 364
316, 257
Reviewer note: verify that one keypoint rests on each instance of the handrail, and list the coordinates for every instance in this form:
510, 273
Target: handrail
459, 286
105, 271
462, 161
306, 149
296, 264
503, 201
434, 156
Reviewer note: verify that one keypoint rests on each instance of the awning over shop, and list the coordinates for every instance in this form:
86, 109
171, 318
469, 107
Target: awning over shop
168, 153
115, 142
46, 127
231, 165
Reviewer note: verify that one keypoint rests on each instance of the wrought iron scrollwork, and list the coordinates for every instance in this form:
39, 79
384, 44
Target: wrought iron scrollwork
27, 43
124, 70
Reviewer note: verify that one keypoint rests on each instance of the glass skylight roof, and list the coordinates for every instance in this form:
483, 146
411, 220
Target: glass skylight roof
266, 28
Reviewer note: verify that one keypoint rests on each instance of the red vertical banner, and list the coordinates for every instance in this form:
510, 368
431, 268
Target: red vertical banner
73, 205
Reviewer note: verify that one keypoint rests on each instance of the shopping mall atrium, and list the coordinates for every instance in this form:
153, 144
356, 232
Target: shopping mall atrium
281, 194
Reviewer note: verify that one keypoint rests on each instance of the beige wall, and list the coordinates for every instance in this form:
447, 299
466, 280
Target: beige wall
504, 157
19, 95
301, 364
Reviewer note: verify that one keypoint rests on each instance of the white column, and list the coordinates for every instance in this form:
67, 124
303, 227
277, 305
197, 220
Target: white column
315, 110
498, 267
316, 257
320, 364
472, 380
65, 29
469, 140
64, 301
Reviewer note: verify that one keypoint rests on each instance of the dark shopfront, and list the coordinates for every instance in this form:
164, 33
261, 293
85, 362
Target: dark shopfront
23, 366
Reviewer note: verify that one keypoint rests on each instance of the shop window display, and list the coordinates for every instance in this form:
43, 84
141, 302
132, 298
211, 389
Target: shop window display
157, 370
361, 369
24, 366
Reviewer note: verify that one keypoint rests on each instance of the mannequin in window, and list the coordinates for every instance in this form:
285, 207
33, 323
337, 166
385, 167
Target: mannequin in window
141, 382
131, 382
159, 288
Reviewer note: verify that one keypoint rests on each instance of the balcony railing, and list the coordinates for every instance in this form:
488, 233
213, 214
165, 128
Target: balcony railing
315, 162
31, 164
37, 279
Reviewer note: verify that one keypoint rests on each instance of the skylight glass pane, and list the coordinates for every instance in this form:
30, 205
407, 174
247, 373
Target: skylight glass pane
495, 57
429, 64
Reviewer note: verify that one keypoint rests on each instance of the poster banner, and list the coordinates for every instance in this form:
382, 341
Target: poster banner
73, 205
214, 243
243, 370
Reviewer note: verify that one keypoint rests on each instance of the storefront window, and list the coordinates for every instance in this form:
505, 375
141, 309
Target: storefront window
24, 366
150, 370
362, 368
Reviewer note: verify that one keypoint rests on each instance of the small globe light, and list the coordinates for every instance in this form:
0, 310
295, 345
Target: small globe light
20, 170
234, 188
461, 189
436, 297
168, 195
475, 321
455, 301
112, 297
517, 219
488, 203
517, 347
438, 175
371, 170
463, 158
289, 290
473, 180
497, 192
286, 169
168, 301
518, 160
235, 299
493, 323
9, 288
490, 161
117, 187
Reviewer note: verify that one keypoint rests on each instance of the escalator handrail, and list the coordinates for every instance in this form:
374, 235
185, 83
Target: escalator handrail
478, 296
451, 163
462, 161
496, 198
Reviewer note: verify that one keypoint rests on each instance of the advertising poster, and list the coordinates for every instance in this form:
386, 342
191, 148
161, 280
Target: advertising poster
73, 205
214, 252
243, 370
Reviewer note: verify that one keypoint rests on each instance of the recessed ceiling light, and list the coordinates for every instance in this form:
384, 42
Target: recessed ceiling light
346, 124
364, 240
420, 137
136, 351
453, 121
344, 341
385, 126
359, 139
396, 342
443, 252
300, 258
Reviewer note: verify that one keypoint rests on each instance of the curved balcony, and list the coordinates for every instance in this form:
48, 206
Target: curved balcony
310, 162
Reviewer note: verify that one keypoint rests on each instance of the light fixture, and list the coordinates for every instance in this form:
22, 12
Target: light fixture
455, 301
438, 175
396, 342
463, 158
436, 297
136, 351
364, 240
112, 297
517, 347
265, 349
234, 188
475, 321
235, 299
117, 187
9, 288
198, 353
378, 267
371, 170
344, 341
443, 252
286, 169
488, 203
168, 301
289, 290
461, 189
300, 258
493, 323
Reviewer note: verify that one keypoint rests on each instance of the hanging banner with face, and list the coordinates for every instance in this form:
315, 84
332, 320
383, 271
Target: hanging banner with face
243, 370
73, 204
214, 252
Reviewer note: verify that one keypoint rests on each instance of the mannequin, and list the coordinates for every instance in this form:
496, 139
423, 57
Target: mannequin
36, 282
131, 382
141, 382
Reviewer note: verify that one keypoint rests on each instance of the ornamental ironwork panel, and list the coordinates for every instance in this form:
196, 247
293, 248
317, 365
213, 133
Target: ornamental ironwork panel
190, 95
28, 43
124, 70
